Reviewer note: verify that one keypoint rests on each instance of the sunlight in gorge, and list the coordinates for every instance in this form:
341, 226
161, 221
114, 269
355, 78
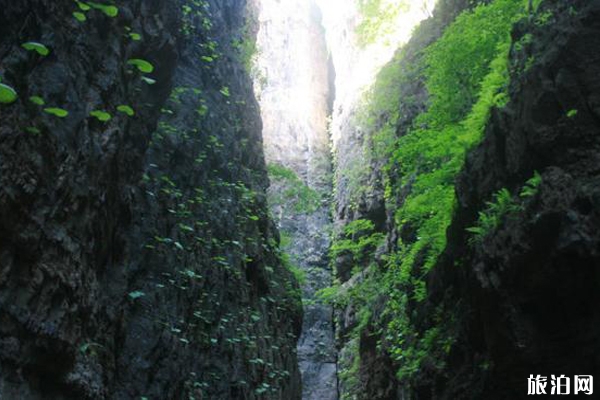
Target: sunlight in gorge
357, 65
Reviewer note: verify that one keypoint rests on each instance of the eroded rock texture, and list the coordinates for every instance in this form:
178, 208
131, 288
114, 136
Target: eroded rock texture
137, 258
532, 286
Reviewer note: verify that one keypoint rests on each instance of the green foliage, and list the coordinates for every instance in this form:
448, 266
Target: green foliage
466, 74
530, 189
359, 240
107, 9
56, 111
7, 94
136, 294
142, 65
429, 158
278, 171
37, 100
101, 116
328, 295
79, 16
246, 47
572, 113
459, 60
125, 109
195, 17
298, 273
225, 91
524, 41
149, 81
292, 191
503, 205
544, 18
490, 218
37, 47
83, 6
378, 17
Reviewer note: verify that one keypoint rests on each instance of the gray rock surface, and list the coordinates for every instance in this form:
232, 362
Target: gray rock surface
137, 256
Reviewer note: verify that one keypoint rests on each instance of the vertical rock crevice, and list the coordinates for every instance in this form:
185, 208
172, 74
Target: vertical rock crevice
294, 86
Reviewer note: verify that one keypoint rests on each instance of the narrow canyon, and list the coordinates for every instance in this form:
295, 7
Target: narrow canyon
299, 199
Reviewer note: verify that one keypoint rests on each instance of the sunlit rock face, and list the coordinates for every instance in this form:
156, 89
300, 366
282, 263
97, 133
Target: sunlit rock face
293, 87
356, 65
292, 82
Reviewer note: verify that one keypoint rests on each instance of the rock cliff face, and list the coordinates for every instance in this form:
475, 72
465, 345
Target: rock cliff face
293, 84
138, 260
519, 299
531, 286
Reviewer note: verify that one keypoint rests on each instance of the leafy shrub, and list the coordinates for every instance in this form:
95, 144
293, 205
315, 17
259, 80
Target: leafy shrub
530, 188
490, 218
360, 240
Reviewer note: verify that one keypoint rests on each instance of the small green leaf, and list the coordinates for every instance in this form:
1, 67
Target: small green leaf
33, 130
111, 11
225, 91
58, 112
7, 94
143, 65
38, 47
37, 100
149, 81
79, 16
102, 116
126, 110
136, 294
83, 6
135, 36
572, 113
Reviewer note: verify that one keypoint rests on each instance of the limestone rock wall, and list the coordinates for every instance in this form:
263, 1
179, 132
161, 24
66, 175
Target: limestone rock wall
138, 259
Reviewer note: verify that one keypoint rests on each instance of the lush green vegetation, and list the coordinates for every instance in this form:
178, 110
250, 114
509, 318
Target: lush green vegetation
466, 74
247, 47
292, 191
359, 241
378, 17
502, 206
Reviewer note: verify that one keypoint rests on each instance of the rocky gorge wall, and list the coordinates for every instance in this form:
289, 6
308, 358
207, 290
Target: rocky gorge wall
138, 259
506, 286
